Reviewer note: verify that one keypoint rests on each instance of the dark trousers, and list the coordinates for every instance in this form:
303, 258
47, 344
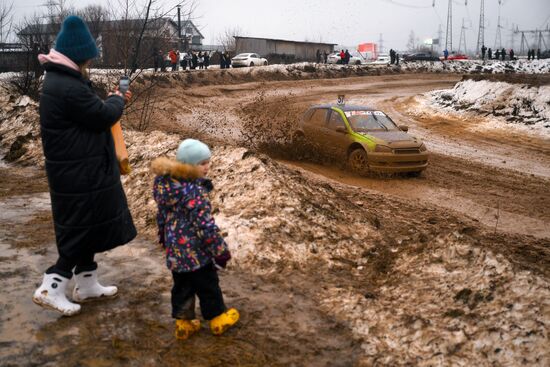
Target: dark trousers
205, 284
64, 266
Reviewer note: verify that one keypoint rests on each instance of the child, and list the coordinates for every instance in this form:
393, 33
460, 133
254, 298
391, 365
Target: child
194, 246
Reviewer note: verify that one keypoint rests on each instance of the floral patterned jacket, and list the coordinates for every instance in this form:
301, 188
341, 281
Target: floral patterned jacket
186, 227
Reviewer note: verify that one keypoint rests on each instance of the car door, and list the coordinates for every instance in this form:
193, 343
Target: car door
335, 135
315, 124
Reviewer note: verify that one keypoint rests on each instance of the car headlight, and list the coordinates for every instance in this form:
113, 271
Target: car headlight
422, 148
383, 149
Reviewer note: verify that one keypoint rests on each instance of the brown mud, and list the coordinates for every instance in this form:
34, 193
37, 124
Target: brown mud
330, 268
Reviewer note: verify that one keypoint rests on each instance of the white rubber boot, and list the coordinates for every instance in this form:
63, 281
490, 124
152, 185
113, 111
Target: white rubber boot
88, 288
51, 294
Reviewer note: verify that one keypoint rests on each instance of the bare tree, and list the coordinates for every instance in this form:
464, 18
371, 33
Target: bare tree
227, 38
6, 20
95, 17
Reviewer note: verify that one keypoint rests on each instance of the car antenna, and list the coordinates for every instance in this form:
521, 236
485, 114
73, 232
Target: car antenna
341, 100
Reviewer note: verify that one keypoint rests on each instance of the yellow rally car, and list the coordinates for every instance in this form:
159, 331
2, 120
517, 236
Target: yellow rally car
366, 138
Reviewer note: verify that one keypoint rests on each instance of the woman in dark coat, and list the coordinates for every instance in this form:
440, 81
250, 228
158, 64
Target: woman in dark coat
89, 206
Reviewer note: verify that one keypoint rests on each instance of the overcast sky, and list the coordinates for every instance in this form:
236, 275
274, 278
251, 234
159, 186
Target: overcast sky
349, 22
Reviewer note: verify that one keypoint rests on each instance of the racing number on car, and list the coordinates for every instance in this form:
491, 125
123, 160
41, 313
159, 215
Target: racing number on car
341, 99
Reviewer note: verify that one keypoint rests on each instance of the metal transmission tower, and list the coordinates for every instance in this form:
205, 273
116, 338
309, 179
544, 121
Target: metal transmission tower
381, 44
462, 38
449, 33
439, 37
498, 37
481, 33
538, 39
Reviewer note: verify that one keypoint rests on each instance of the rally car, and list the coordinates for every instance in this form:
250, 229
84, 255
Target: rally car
365, 137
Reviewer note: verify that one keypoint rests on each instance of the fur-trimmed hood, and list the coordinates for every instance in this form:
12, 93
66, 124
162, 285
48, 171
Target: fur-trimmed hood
165, 166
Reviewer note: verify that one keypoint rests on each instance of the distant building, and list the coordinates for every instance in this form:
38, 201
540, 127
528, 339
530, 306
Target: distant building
285, 51
116, 37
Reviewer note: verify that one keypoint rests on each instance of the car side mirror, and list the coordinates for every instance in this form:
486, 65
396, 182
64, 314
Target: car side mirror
341, 129
404, 128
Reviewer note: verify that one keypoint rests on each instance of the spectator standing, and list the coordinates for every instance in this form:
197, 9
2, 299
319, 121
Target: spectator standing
392, 56
194, 60
503, 54
206, 59
512, 54
200, 60
483, 50
342, 56
174, 58
347, 56
318, 56
538, 54
396, 58
497, 54
489, 54
227, 60
446, 54
325, 56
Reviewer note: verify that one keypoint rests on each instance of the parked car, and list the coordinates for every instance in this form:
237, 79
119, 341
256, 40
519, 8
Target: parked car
454, 57
366, 138
248, 59
420, 56
382, 59
355, 58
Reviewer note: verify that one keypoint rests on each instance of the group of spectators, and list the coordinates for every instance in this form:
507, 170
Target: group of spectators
531, 54
190, 61
394, 57
501, 54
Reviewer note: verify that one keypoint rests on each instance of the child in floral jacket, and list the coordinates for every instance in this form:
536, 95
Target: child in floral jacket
193, 244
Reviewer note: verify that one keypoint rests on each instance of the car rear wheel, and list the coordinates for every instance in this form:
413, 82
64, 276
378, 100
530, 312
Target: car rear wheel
251, 63
358, 161
265, 63
358, 62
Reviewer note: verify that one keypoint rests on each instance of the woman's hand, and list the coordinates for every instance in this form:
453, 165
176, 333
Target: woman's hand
126, 96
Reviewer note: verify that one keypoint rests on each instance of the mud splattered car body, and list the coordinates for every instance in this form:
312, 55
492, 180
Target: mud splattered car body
366, 138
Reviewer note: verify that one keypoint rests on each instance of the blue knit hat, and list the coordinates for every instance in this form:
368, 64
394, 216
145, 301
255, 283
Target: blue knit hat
193, 152
75, 40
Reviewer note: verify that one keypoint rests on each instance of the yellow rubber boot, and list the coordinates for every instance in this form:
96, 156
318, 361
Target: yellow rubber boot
221, 323
186, 328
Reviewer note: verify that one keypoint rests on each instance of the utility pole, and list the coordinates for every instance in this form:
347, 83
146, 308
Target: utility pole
498, 37
179, 27
449, 33
462, 37
381, 44
481, 33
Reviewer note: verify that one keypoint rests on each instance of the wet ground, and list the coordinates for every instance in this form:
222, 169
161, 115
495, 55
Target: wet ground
465, 204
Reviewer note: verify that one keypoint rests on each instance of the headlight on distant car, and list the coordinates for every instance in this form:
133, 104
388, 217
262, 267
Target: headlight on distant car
422, 148
383, 149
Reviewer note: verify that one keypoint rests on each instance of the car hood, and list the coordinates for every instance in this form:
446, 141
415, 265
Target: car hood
394, 138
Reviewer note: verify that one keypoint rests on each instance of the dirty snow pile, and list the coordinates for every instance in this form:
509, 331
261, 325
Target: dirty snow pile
502, 105
478, 66
453, 304
269, 214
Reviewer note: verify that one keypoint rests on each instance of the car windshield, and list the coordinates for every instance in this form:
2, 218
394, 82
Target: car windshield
370, 120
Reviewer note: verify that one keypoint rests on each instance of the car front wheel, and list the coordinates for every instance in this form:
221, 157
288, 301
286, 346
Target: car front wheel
358, 161
251, 64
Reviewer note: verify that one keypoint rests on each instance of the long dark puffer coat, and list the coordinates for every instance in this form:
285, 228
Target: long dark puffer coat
89, 207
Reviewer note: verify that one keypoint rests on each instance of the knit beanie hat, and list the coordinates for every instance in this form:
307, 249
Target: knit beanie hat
75, 40
193, 152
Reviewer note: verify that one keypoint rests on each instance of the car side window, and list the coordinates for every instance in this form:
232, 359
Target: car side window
319, 117
335, 121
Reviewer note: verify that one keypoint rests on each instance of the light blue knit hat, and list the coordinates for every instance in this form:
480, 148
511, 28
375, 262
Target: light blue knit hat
193, 152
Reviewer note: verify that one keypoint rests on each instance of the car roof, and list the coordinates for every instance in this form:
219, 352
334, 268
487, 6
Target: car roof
345, 107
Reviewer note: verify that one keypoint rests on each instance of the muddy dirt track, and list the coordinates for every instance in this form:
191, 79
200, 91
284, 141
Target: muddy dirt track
484, 193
